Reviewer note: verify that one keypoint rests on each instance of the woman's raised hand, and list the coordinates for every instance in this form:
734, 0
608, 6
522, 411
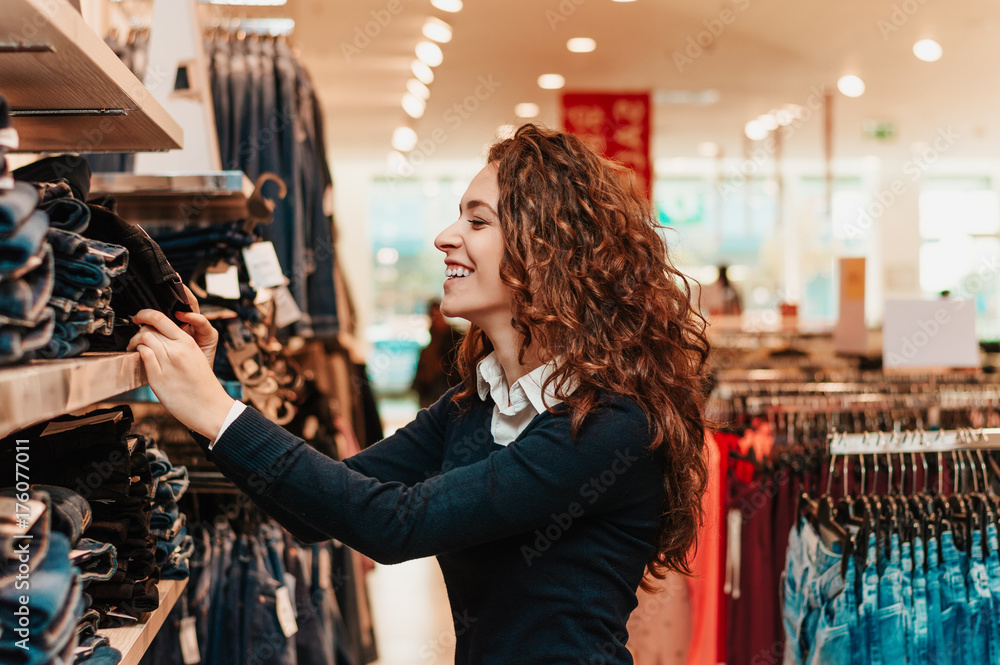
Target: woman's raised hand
178, 369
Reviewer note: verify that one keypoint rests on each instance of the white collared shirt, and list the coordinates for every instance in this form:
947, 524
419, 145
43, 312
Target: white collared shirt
515, 406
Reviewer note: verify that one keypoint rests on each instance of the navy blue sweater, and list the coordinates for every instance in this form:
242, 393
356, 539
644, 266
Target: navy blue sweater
542, 542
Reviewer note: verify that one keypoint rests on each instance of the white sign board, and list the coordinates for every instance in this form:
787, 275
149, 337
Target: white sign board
930, 333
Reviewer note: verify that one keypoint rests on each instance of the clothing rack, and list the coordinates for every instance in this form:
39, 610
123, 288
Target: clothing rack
941, 441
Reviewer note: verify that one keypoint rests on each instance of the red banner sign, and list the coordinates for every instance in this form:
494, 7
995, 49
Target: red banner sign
615, 125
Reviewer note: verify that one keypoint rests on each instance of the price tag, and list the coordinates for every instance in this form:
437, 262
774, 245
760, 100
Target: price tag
189, 641
224, 284
290, 582
325, 568
287, 310
263, 266
286, 612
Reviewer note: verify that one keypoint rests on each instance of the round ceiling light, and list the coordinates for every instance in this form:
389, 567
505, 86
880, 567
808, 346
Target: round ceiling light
423, 73
448, 5
928, 50
436, 29
430, 54
417, 88
551, 81
581, 45
413, 105
526, 110
755, 130
404, 139
851, 85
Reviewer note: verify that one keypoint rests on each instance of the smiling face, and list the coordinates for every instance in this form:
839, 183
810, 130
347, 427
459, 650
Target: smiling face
473, 247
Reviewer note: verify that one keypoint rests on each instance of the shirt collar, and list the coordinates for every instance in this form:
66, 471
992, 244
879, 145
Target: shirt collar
491, 380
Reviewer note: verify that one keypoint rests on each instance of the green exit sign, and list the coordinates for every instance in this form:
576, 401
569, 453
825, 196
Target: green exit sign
879, 130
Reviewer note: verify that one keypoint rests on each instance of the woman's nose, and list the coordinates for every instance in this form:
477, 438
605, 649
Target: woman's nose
449, 238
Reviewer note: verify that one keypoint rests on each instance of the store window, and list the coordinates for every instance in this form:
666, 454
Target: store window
960, 249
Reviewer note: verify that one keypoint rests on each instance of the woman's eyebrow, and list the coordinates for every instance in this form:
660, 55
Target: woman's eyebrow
475, 203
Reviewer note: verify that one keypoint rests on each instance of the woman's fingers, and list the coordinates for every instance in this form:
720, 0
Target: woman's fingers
201, 325
154, 371
160, 321
192, 300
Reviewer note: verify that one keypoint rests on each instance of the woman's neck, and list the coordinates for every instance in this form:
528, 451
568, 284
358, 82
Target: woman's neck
506, 342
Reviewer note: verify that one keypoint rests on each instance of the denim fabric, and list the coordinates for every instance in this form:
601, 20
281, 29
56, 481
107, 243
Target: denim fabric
71, 514
891, 614
219, 53
16, 206
159, 463
67, 214
221, 622
870, 634
980, 606
266, 139
955, 602
316, 639
201, 585
166, 547
60, 347
266, 644
993, 577
71, 169
55, 605
172, 485
106, 655
16, 342
38, 532
24, 298
177, 565
97, 561
252, 53
839, 630
164, 515
24, 242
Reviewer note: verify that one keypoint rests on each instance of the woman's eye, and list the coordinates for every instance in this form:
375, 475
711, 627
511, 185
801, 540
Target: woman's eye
477, 223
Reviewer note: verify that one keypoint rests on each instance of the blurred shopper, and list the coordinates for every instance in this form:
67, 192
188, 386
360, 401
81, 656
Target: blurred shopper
720, 298
436, 371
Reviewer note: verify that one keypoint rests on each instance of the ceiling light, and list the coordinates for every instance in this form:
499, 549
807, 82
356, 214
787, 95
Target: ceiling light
448, 5
505, 132
423, 73
755, 130
928, 50
413, 105
851, 85
783, 117
430, 53
551, 81
404, 139
436, 29
769, 121
708, 149
581, 45
526, 110
623, 0
418, 89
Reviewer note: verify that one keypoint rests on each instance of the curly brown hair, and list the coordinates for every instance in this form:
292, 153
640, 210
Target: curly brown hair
592, 284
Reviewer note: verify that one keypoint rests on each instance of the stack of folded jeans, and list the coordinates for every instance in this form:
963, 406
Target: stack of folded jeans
174, 546
26, 275
97, 457
38, 584
82, 295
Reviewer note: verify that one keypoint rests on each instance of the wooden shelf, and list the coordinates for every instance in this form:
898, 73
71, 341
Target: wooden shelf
44, 389
177, 198
133, 641
67, 89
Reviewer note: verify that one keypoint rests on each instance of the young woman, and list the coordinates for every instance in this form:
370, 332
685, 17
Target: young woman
567, 463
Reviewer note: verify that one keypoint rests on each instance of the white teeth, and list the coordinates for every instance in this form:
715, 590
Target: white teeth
457, 272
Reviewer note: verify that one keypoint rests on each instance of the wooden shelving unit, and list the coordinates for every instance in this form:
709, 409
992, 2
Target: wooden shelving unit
67, 89
177, 199
44, 389
133, 641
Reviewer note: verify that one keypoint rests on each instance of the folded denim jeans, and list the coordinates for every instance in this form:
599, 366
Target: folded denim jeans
16, 342
23, 243
68, 214
70, 514
97, 561
25, 297
71, 169
16, 206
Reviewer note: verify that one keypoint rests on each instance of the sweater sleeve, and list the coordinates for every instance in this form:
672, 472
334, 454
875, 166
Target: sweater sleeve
543, 478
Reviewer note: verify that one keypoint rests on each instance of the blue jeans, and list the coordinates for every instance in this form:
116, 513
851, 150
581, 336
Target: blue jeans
67, 214
955, 615
97, 561
980, 606
172, 485
839, 629
993, 578
266, 643
22, 227
891, 613
201, 585
16, 342
24, 298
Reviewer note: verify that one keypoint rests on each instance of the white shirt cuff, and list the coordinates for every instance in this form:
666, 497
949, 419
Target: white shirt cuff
234, 412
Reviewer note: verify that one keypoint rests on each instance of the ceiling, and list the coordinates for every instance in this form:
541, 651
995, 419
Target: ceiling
771, 52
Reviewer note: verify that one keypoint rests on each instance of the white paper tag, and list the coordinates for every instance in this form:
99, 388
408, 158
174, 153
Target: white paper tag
290, 582
286, 612
263, 266
189, 641
287, 310
224, 284
325, 568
